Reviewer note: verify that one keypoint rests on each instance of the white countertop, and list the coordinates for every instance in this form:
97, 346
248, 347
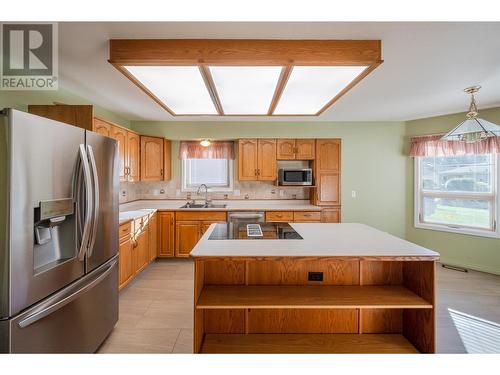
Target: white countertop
319, 239
134, 214
255, 205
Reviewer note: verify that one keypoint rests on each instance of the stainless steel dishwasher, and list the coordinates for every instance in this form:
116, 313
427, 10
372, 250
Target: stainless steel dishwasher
242, 217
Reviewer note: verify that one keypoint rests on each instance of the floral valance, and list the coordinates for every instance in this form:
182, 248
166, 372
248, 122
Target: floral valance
432, 145
216, 150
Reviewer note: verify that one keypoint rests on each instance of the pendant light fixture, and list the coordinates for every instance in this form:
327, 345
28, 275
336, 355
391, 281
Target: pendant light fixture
473, 129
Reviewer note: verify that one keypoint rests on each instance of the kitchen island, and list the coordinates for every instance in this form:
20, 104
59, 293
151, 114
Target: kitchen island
342, 288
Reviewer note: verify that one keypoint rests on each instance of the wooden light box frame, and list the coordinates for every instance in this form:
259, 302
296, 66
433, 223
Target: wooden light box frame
244, 52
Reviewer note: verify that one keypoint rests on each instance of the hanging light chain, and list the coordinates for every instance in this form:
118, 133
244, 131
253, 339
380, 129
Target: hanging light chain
472, 107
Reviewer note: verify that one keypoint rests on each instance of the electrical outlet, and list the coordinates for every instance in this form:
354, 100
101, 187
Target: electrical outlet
353, 193
315, 276
282, 193
177, 193
236, 193
124, 193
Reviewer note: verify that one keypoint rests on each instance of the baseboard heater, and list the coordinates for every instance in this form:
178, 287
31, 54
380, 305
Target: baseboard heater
454, 268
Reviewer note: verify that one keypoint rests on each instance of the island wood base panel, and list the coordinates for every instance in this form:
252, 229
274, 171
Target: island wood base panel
268, 305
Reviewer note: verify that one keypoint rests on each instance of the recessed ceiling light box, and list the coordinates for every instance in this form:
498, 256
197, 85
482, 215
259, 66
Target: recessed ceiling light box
221, 77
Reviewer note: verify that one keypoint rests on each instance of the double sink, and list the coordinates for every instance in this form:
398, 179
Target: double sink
203, 205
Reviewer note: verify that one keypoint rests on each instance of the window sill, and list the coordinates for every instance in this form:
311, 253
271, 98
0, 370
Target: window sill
464, 231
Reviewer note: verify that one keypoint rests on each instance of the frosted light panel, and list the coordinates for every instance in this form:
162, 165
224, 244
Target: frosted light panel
180, 88
245, 90
310, 88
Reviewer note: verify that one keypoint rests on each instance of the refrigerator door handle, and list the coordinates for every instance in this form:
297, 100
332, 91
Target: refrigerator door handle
88, 203
95, 217
65, 299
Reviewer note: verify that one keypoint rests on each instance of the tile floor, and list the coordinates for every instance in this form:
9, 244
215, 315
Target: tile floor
156, 311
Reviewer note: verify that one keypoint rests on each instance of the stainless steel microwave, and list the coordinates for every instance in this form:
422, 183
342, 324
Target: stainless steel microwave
295, 176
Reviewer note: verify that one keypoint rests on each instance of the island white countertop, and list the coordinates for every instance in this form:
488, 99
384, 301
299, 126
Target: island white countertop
319, 240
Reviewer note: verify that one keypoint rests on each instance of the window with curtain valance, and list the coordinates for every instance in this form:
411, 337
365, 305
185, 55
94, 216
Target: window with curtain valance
209, 165
456, 185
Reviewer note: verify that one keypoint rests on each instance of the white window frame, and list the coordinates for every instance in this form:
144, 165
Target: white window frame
419, 194
185, 188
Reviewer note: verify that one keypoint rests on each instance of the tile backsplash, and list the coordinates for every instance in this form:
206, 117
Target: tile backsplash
130, 191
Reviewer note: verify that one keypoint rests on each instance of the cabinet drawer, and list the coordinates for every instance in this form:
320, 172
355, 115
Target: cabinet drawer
201, 215
286, 216
124, 231
302, 216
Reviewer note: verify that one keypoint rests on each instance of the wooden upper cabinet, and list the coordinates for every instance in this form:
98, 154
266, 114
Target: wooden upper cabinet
77, 115
285, 149
247, 159
328, 155
305, 149
133, 156
120, 135
295, 149
167, 160
257, 159
102, 127
328, 190
266, 166
167, 234
151, 158
327, 172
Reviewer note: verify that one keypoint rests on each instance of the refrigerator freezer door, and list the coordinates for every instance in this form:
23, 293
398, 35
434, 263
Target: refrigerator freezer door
103, 160
76, 319
42, 157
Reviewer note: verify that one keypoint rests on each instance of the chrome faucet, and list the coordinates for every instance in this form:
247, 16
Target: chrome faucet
206, 193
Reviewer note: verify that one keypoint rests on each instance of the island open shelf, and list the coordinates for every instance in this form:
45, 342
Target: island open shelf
269, 305
309, 297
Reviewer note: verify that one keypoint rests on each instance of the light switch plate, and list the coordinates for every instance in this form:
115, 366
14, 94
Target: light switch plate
353, 193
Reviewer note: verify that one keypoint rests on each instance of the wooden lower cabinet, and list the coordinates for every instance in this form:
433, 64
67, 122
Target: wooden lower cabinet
190, 226
153, 237
142, 250
166, 233
330, 215
187, 234
293, 216
138, 247
125, 261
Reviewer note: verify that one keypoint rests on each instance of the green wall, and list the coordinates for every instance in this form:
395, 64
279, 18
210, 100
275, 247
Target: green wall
479, 253
373, 163
21, 99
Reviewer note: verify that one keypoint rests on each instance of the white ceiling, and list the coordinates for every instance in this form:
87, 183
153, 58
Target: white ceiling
426, 66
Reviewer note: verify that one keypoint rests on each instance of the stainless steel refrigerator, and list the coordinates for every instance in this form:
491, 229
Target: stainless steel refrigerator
58, 236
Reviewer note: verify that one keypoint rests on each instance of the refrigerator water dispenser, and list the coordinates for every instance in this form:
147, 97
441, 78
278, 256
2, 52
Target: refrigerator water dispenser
55, 230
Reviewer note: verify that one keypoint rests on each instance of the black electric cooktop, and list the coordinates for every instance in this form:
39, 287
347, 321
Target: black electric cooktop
254, 231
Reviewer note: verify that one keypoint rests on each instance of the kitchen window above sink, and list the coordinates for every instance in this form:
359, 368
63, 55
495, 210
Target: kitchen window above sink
216, 174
